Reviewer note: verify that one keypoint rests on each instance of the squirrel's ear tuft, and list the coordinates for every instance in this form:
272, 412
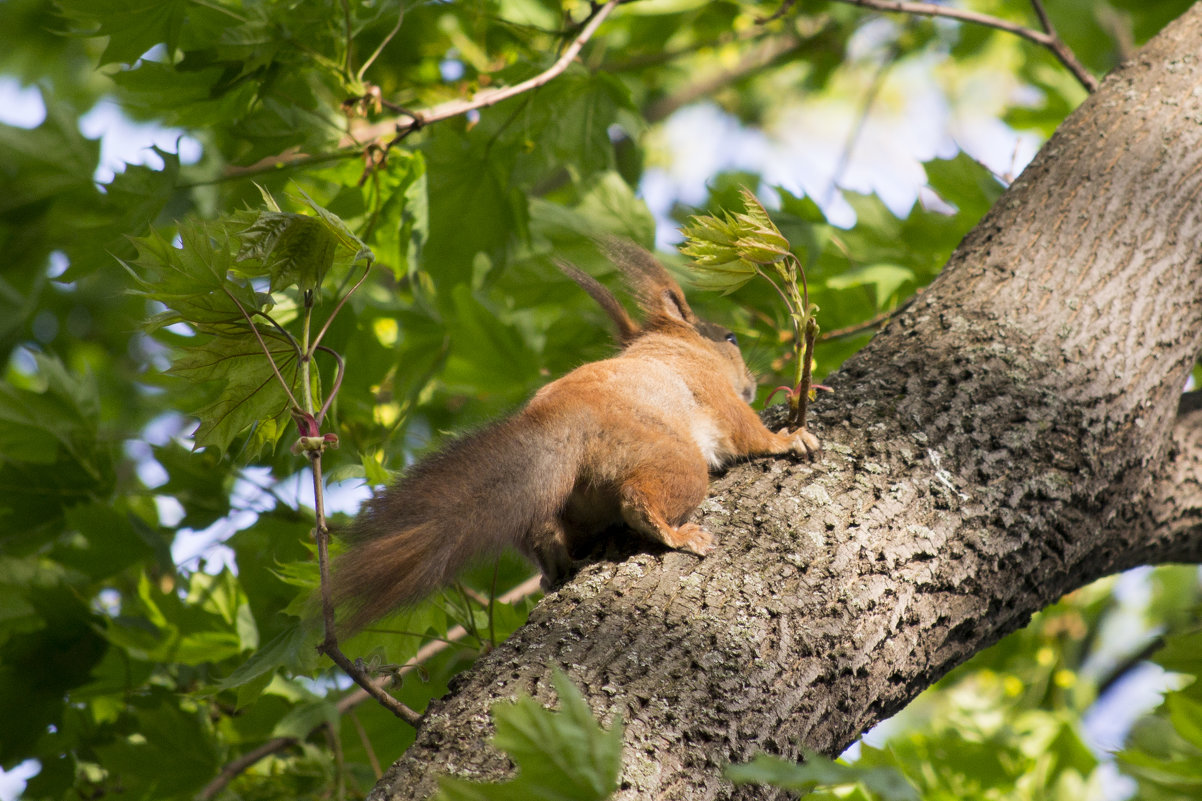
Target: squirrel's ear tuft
674, 305
626, 328
655, 290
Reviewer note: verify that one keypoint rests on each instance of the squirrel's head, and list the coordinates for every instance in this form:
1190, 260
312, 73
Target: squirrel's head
665, 310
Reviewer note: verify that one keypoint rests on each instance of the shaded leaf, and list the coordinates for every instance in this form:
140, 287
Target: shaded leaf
560, 756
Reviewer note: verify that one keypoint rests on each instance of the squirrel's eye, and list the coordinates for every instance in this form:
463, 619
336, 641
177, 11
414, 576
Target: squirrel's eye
732, 339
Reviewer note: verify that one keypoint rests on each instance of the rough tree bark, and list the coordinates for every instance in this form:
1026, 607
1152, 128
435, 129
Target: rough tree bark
1012, 436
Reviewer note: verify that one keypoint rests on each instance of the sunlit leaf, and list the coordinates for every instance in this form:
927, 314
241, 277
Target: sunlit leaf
885, 784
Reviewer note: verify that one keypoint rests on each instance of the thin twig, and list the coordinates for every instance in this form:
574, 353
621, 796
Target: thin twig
803, 388
754, 59
233, 769
341, 302
1041, 38
875, 322
360, 677
365, 741
1045, 22
490, 97
424, 654
338, 376
350, 36
329, 646
380, 49
410, 121
1130, 663
1060, 49
874, 90
785, 8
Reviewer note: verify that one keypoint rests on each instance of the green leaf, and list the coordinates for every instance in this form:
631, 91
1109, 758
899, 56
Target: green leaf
248, 391
294, 649
560, 756
466, 184
487, 352
401, 221
883, 783
1182, 654
726, 252
172, 753
965, 183
725, 277
305, 717
109, 540
193, 281
885, 279
339, 230
132, 26
1186, 717
50, 455
234, 361
296, 249
48, 650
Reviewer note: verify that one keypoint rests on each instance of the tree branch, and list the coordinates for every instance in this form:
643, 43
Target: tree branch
752, 60
1046, 38
488, 97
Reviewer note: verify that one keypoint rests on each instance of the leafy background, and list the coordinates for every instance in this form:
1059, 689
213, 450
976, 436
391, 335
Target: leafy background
133, 661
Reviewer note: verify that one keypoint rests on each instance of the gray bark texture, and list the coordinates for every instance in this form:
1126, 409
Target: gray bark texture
1012, 436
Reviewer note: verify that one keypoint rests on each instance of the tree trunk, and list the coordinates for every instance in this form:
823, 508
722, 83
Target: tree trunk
1009, 438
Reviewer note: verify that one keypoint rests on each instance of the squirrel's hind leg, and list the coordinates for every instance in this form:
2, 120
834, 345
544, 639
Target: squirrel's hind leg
548, 547
658, 497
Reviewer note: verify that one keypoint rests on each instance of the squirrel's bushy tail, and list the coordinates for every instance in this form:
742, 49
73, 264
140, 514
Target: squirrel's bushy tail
480, 494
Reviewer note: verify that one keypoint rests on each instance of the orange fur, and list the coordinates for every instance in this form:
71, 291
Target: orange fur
628, 439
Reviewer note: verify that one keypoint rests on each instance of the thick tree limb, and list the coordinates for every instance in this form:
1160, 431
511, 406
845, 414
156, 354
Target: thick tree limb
1008, 438
1174, 511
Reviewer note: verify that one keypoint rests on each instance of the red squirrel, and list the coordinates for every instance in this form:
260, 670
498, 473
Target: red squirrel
629, 439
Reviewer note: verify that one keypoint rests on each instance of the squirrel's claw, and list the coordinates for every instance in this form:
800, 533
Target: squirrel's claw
802, 442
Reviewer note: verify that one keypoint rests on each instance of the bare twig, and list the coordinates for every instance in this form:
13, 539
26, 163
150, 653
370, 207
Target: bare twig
785, 8
350, 37
875, 322
756, 58
874, 90
338, 376
380, 49
803, 388
1130, 663
1042, 38
233, 769
365, 741
1044, 21
489, 97
329, 646
424, 654
342, 302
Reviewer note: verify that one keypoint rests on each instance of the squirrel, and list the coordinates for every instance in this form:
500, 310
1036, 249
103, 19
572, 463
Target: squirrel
630, 439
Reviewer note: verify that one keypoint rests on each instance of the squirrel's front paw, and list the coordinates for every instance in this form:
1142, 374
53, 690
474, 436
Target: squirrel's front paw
694, 539
803, 443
